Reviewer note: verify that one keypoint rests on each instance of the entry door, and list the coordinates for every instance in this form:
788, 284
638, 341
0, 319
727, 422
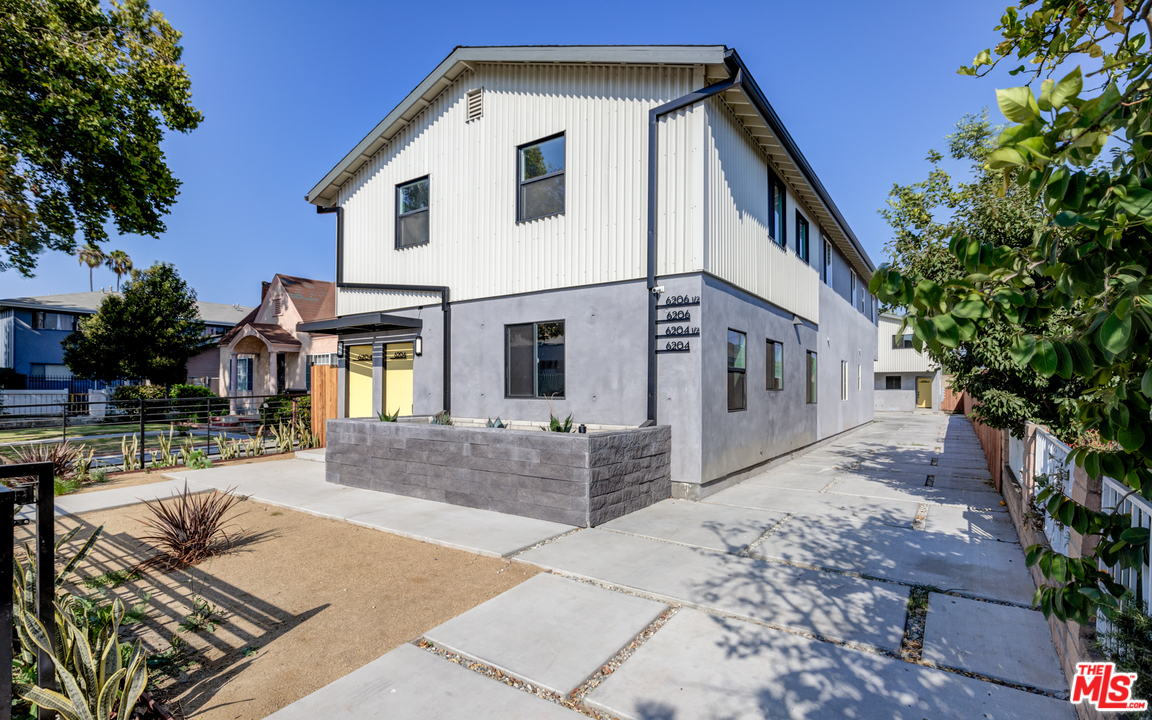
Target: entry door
398, 378
360, 381
924, 392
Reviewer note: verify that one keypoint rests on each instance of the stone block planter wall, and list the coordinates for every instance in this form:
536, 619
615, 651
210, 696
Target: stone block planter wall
576, 479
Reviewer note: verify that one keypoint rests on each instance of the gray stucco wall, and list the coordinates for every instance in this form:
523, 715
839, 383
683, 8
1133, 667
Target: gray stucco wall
576, 479
845, 334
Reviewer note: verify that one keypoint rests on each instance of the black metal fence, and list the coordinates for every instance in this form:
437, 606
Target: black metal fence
73, 385
135, 433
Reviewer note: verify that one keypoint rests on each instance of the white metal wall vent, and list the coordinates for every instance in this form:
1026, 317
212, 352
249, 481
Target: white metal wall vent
475, 101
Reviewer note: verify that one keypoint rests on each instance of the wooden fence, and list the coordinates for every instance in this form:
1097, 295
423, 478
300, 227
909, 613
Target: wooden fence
324, 395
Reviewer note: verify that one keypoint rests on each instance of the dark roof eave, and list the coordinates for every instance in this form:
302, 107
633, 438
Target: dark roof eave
363, 322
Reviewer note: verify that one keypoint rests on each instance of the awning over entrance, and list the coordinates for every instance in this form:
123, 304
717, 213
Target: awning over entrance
363, 322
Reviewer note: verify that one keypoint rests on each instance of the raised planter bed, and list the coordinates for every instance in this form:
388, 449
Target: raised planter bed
576, 479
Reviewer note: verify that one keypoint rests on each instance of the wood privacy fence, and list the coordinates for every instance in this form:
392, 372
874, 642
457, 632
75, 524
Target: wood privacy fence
324, 395
993, 442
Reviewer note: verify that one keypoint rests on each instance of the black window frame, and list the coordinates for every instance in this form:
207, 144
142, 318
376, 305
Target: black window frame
811, 377
776, 190
742, 372
521, 183
535, 361
827, 260
40, 317
803, 238
889, 385
772, 381
903, 342
400, 216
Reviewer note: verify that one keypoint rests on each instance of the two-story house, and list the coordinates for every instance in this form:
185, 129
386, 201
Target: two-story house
905, 379
625, 234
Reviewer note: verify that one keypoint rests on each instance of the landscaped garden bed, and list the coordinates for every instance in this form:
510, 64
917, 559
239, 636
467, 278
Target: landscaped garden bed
297, 602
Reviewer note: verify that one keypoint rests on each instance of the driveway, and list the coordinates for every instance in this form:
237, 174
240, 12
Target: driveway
874, 577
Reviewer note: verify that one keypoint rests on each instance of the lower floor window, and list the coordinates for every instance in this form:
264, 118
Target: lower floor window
775, 365
534, 360
810, 371
244, 374
843, 379
891, 382
737, 371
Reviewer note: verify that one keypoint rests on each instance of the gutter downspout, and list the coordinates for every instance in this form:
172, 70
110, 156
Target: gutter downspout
443, 291
736, 80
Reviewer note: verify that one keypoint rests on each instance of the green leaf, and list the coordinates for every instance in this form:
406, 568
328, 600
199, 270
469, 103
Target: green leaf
1059, 569
1092, 464
1137, 202
947, 331
971, 309
1063, 360
1022, 348
931, 293
1131, 438
1081, 358
1115, 333
1005, 157
972, 255
924, 329
1136, 536
1045, 99
877, 280
1067, 89
1017, 104
1146, 383
1044, 360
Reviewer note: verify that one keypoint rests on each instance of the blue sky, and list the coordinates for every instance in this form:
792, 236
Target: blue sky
287, 88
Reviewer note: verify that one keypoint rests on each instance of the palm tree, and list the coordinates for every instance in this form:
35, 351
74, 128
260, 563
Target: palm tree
93, 257
119, 262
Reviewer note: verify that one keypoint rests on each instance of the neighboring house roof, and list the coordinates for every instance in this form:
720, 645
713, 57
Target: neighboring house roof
719, 63
244, 322
89, 302
274, 334
313, 299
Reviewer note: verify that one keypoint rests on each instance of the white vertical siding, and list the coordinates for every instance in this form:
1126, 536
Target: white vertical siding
477, 247
890, 359
7, 338
737, 245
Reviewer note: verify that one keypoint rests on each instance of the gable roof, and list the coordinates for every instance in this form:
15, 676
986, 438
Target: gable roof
89, 302
313, 299
750, 106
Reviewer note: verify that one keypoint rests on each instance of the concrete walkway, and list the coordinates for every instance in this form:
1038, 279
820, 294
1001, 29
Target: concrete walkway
784, 597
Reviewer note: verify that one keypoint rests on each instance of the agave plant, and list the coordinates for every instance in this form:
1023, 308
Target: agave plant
387, 417
187, 528
97, 684
555, 425
497, 423
442, 418
63, 456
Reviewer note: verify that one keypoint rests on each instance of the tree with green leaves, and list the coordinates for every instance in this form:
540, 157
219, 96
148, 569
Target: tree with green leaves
149, 332
93, 257
119, 263
1080, 294
923, 216
85, 95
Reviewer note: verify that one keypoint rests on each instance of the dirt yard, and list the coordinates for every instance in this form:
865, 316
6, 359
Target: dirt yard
300, 600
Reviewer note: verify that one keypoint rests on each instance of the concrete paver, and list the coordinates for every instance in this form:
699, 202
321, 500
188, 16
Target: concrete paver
835, 606
912, 556
1006, 643
300, 485
700, 667
716, 527
794, 479
892, 490
989, 524
565, 630
888, 512
412, 684
122, 497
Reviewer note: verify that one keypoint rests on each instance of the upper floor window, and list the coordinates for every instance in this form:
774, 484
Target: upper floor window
214, 330
534, 360
53, 321
801, 237
737, 367
902, 342
540, 178
777, 207
412, 213
827, 263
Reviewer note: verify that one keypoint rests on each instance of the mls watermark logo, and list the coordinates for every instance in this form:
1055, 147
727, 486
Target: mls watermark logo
1101, 685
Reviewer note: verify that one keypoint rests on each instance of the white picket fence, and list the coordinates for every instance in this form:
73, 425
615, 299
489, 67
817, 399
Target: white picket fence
1051, 459
1116, 496
22, 402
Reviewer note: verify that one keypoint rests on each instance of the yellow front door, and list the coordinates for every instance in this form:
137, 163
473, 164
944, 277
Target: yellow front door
924, 392
360, 381
398, 378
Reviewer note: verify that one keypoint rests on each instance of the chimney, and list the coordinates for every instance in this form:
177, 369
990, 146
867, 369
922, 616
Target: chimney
264, 290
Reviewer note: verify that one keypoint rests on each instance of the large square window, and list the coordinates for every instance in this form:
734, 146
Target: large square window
540, 177
775, 366
811, 372
891, 382
534, 360
737, 371
801, 237
412, 213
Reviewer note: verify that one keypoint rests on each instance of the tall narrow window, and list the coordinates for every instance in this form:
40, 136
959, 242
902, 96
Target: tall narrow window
244, 374
534, 360
777, 207
827, 263
859, 377
810, 372
801, 237
540, 174
737, 370
775, 365
843, 379
412, 213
